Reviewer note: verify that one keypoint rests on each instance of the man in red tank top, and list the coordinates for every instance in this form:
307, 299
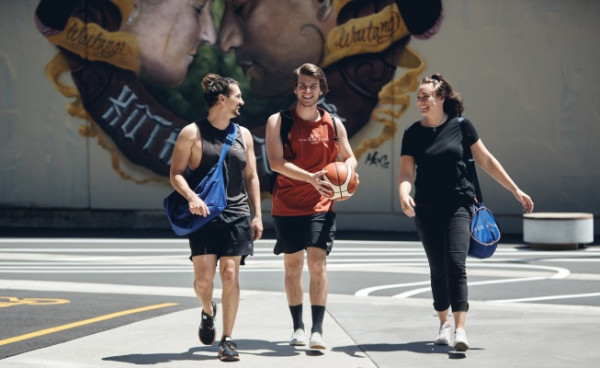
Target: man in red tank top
302, 211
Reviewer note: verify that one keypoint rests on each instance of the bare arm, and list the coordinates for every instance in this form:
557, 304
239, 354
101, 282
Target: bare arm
406, 179
252, 184
493, 167
346, 153
182, 152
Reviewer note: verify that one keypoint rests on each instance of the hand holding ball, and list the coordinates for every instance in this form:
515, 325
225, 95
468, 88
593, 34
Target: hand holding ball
343, 180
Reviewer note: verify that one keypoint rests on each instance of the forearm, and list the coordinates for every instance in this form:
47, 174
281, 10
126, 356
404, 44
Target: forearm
351, 161
404, 188
292, 171
181, 185
254, 196
496, 171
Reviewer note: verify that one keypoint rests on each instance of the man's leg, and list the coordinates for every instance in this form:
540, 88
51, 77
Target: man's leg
230, 270
204, 274
317, 267
294, 264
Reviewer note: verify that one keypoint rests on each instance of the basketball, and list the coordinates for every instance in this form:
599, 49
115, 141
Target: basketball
342, 178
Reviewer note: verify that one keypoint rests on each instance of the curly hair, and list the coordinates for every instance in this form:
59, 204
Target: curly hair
215, 85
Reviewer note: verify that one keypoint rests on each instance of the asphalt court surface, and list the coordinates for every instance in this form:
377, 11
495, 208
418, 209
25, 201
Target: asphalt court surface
80, 314
110, 283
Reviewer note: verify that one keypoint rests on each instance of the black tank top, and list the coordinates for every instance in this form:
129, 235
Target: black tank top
235, 162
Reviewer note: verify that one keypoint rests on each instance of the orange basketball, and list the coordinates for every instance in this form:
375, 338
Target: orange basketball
343, 179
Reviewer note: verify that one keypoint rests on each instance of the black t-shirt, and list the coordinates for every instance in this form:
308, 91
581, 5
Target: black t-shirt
440, 158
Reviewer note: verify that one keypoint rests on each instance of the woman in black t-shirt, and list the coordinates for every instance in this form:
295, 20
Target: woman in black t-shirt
432, 158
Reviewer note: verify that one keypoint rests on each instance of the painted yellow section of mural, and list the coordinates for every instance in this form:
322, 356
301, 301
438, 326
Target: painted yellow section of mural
90, 41
369, 34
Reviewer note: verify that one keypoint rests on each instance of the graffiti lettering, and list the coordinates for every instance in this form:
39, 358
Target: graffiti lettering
102, 46
131, 117
373, 159
379, 34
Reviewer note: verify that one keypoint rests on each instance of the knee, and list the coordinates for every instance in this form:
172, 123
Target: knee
229, 276
457, 268
317, 267
438, 272
202, 283
294, 269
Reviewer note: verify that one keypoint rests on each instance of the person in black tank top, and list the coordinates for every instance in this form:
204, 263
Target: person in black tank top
229, 237
434, 148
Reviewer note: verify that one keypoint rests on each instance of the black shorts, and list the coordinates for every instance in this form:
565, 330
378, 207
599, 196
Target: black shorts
225, 239
296, 233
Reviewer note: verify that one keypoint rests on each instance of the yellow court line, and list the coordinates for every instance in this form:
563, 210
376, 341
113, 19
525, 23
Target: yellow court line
84, 322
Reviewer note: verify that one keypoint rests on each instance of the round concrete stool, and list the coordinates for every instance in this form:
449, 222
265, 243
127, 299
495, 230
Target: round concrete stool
558, 230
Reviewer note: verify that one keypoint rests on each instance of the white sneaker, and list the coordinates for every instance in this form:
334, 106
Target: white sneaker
460, 340
298, 338
443, 337
316, 341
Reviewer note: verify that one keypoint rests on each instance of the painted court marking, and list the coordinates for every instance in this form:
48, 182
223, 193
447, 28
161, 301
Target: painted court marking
83, 323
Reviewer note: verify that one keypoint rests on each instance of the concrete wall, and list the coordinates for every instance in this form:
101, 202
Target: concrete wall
527, 70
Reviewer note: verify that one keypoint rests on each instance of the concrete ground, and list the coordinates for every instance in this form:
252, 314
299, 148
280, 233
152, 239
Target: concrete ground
360, 332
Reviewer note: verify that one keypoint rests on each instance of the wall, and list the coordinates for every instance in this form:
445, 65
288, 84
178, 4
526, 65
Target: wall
526, 69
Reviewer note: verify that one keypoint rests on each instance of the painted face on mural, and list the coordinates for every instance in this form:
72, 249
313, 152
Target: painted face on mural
272, 37
169, 32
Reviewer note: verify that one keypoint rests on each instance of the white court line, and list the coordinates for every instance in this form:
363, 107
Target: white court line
504, 281
540, 298
99, 288
368, 291
559, 273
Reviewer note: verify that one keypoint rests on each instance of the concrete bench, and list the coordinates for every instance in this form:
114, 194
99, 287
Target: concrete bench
558, 230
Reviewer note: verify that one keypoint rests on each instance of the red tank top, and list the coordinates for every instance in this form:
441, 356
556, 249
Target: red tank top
315, 147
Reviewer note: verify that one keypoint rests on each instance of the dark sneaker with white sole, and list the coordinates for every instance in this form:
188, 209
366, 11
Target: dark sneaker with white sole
207, 330
228, 350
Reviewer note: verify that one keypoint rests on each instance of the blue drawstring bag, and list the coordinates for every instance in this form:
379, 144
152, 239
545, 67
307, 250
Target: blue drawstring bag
485, 233
211, 190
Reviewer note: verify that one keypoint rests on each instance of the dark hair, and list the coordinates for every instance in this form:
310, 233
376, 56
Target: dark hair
453, 102
215, 85
310, 70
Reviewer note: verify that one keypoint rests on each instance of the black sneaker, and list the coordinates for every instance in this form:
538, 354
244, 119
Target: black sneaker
207, 330
228, 350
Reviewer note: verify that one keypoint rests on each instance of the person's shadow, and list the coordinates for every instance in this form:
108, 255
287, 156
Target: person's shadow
422, 347
201, 353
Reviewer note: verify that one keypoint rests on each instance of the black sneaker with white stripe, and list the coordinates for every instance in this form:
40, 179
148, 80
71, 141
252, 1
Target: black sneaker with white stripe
207, 330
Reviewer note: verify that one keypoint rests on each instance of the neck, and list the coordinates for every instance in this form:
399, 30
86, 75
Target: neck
218, 119
435, 119
308, 113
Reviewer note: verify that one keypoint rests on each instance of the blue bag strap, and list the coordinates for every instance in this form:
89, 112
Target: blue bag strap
229, 139
471, 166
231, 132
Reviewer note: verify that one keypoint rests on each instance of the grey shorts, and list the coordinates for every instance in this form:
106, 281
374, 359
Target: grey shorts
225, 239
296, 233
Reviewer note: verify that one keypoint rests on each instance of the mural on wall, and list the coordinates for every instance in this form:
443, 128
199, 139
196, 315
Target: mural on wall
137, 66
